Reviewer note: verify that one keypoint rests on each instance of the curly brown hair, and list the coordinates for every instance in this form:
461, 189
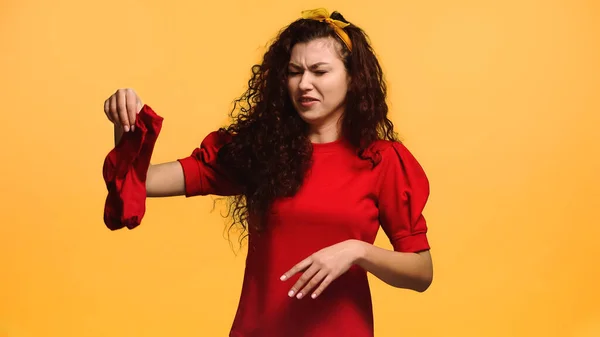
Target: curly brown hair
269, 151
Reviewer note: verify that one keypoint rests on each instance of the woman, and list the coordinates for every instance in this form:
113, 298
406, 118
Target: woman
313, 170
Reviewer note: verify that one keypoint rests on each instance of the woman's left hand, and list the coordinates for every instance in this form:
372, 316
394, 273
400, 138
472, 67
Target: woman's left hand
324, 266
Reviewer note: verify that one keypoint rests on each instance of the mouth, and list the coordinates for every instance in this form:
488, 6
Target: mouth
307, 99
307, 102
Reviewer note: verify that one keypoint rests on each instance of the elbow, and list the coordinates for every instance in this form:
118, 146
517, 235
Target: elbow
425, 275
425, 279
418, 283
422, 280
423, 284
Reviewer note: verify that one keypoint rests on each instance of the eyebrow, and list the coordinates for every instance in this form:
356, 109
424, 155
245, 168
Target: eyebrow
316, 65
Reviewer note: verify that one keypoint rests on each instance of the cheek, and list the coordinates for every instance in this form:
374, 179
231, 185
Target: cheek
291, 88
336, 89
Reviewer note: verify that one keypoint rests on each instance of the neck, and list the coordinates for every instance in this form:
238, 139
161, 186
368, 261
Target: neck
327, 131
323, 136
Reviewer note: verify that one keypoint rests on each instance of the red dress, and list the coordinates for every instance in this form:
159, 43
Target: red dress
343, 197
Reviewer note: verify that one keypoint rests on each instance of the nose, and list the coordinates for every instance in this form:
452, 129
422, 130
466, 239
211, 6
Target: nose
305, 81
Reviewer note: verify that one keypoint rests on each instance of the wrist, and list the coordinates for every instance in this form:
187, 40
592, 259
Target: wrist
360, 251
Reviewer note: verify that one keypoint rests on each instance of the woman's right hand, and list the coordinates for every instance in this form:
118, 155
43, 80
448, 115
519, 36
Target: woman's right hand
122, 108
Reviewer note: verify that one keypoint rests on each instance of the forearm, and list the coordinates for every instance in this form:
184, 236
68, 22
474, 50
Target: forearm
402, 270
162, 180
165, 180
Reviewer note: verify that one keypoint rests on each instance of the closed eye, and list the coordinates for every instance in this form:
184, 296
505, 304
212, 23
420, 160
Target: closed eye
293, 73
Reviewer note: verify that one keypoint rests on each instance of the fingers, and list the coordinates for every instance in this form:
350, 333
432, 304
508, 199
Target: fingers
304, 279
122, 109
316, 275
296, 269
113, 111
326, 281
139, 106
107, 110
131, 103
314, 281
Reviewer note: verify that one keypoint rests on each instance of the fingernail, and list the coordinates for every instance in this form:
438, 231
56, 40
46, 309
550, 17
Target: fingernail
132, 128
126, 128
299, 296
313, 295
283, 278
291, 293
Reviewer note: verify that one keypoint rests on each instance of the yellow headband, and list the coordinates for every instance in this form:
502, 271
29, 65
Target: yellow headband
322, 15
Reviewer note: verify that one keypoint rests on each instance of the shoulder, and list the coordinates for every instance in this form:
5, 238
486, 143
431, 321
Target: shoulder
398, 168
216, 138
385, 145
210, 146
388, 152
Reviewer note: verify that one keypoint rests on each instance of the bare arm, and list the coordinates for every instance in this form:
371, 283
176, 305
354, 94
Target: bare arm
162, 180
399, 269
165, 180
402, 270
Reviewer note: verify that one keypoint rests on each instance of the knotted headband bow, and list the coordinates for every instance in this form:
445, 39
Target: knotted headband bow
321, 14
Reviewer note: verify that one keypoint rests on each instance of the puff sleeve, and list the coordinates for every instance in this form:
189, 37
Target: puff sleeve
403, 190
203, 175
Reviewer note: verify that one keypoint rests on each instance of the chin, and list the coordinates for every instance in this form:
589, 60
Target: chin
311, 117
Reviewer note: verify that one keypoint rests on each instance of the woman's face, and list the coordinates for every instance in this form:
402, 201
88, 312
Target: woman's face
318, 82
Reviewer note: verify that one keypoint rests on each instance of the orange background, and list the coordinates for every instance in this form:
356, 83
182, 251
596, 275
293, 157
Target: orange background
497, 99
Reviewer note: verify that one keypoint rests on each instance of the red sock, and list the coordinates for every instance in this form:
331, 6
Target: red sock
124, 171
